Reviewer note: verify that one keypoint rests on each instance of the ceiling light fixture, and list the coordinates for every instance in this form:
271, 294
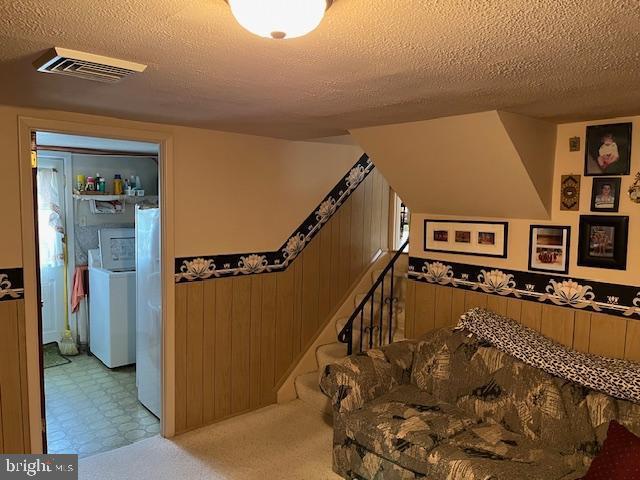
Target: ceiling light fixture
279, 19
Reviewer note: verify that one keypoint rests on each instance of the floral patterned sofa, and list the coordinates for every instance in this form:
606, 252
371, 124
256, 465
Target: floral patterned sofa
453, 406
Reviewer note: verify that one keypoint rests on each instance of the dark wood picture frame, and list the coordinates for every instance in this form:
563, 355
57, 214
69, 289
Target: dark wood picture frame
622, 134
567, 249
598, 182
618, 258
502, 254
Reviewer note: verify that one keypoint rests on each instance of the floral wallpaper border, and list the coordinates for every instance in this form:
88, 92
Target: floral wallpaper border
191, 269
11, 284
621, 300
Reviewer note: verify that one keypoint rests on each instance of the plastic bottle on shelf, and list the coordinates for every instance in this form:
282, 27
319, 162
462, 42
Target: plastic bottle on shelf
117, 184
81, 183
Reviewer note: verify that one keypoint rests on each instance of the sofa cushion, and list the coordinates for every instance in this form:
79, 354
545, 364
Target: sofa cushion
404, 425
441, 362
489, 451
491, 385
574, 397
603, 409
524, 399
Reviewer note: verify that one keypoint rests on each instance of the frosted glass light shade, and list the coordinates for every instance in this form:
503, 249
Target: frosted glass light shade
279, 18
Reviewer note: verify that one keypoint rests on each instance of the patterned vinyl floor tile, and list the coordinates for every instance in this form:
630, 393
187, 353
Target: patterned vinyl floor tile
92, 409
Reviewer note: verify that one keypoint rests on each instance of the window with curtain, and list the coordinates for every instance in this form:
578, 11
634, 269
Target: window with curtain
50, 218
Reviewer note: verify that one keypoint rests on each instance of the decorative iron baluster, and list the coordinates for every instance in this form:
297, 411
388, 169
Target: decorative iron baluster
371, 323
382, 300
361, 327
346, 334
391, 298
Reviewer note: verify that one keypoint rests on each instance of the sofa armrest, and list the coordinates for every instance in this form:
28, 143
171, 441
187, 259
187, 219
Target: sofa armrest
356, 380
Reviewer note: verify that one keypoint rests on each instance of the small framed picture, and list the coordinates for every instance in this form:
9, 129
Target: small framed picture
486, 238
605, 194
463, 236
603, 241
441, 235
574, 144
570, 192
466, 237
549, 248
608, 150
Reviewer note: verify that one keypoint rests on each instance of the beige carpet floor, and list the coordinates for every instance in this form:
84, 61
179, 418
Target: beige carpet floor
287, 442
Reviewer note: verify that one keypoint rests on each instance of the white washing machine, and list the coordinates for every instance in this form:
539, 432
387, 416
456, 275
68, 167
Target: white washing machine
112, 313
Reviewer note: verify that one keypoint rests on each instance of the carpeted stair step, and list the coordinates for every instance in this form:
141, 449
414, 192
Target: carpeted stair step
361, 296
397, 275
399, 284
340, 323
309, 392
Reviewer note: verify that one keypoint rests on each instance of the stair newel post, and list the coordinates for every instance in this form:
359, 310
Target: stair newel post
391, 296
349, 333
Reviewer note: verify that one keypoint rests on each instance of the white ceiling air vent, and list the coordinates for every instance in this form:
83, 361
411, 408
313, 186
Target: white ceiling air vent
62, 61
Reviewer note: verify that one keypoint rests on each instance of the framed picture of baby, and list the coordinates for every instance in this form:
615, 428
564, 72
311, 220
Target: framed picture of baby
549, 248
608, 150
603, 241
605, 194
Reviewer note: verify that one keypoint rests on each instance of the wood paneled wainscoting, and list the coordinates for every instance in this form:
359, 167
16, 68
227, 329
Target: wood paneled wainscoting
237, 337
14, 403
432, 306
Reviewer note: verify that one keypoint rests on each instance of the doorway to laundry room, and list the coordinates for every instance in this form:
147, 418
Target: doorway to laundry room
98, 231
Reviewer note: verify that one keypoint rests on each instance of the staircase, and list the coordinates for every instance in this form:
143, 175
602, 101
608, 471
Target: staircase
306, 385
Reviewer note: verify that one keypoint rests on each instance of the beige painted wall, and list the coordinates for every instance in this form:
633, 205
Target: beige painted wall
233, 193
565, 163
242, 193
458, 165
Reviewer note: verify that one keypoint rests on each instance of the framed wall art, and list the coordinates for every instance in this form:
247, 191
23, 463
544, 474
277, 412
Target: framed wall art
605, 194
549, 248
603, 241
608, 150
634, 190
574, 144
487, 239
570, 192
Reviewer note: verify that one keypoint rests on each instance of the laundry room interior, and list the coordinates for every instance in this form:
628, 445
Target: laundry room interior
100, 285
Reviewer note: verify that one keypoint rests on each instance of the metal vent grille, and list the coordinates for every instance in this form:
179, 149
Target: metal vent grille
86, 65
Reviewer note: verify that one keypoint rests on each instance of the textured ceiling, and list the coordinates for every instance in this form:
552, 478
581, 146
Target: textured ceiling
369, 63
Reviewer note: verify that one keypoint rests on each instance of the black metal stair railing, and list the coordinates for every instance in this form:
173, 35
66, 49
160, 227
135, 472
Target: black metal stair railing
373, 327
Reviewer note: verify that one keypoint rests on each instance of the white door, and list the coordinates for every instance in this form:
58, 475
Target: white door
51, 234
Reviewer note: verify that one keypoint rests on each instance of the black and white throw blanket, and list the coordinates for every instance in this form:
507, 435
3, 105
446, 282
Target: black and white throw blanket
618, 378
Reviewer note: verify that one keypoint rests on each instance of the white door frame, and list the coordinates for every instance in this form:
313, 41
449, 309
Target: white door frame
165, 165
